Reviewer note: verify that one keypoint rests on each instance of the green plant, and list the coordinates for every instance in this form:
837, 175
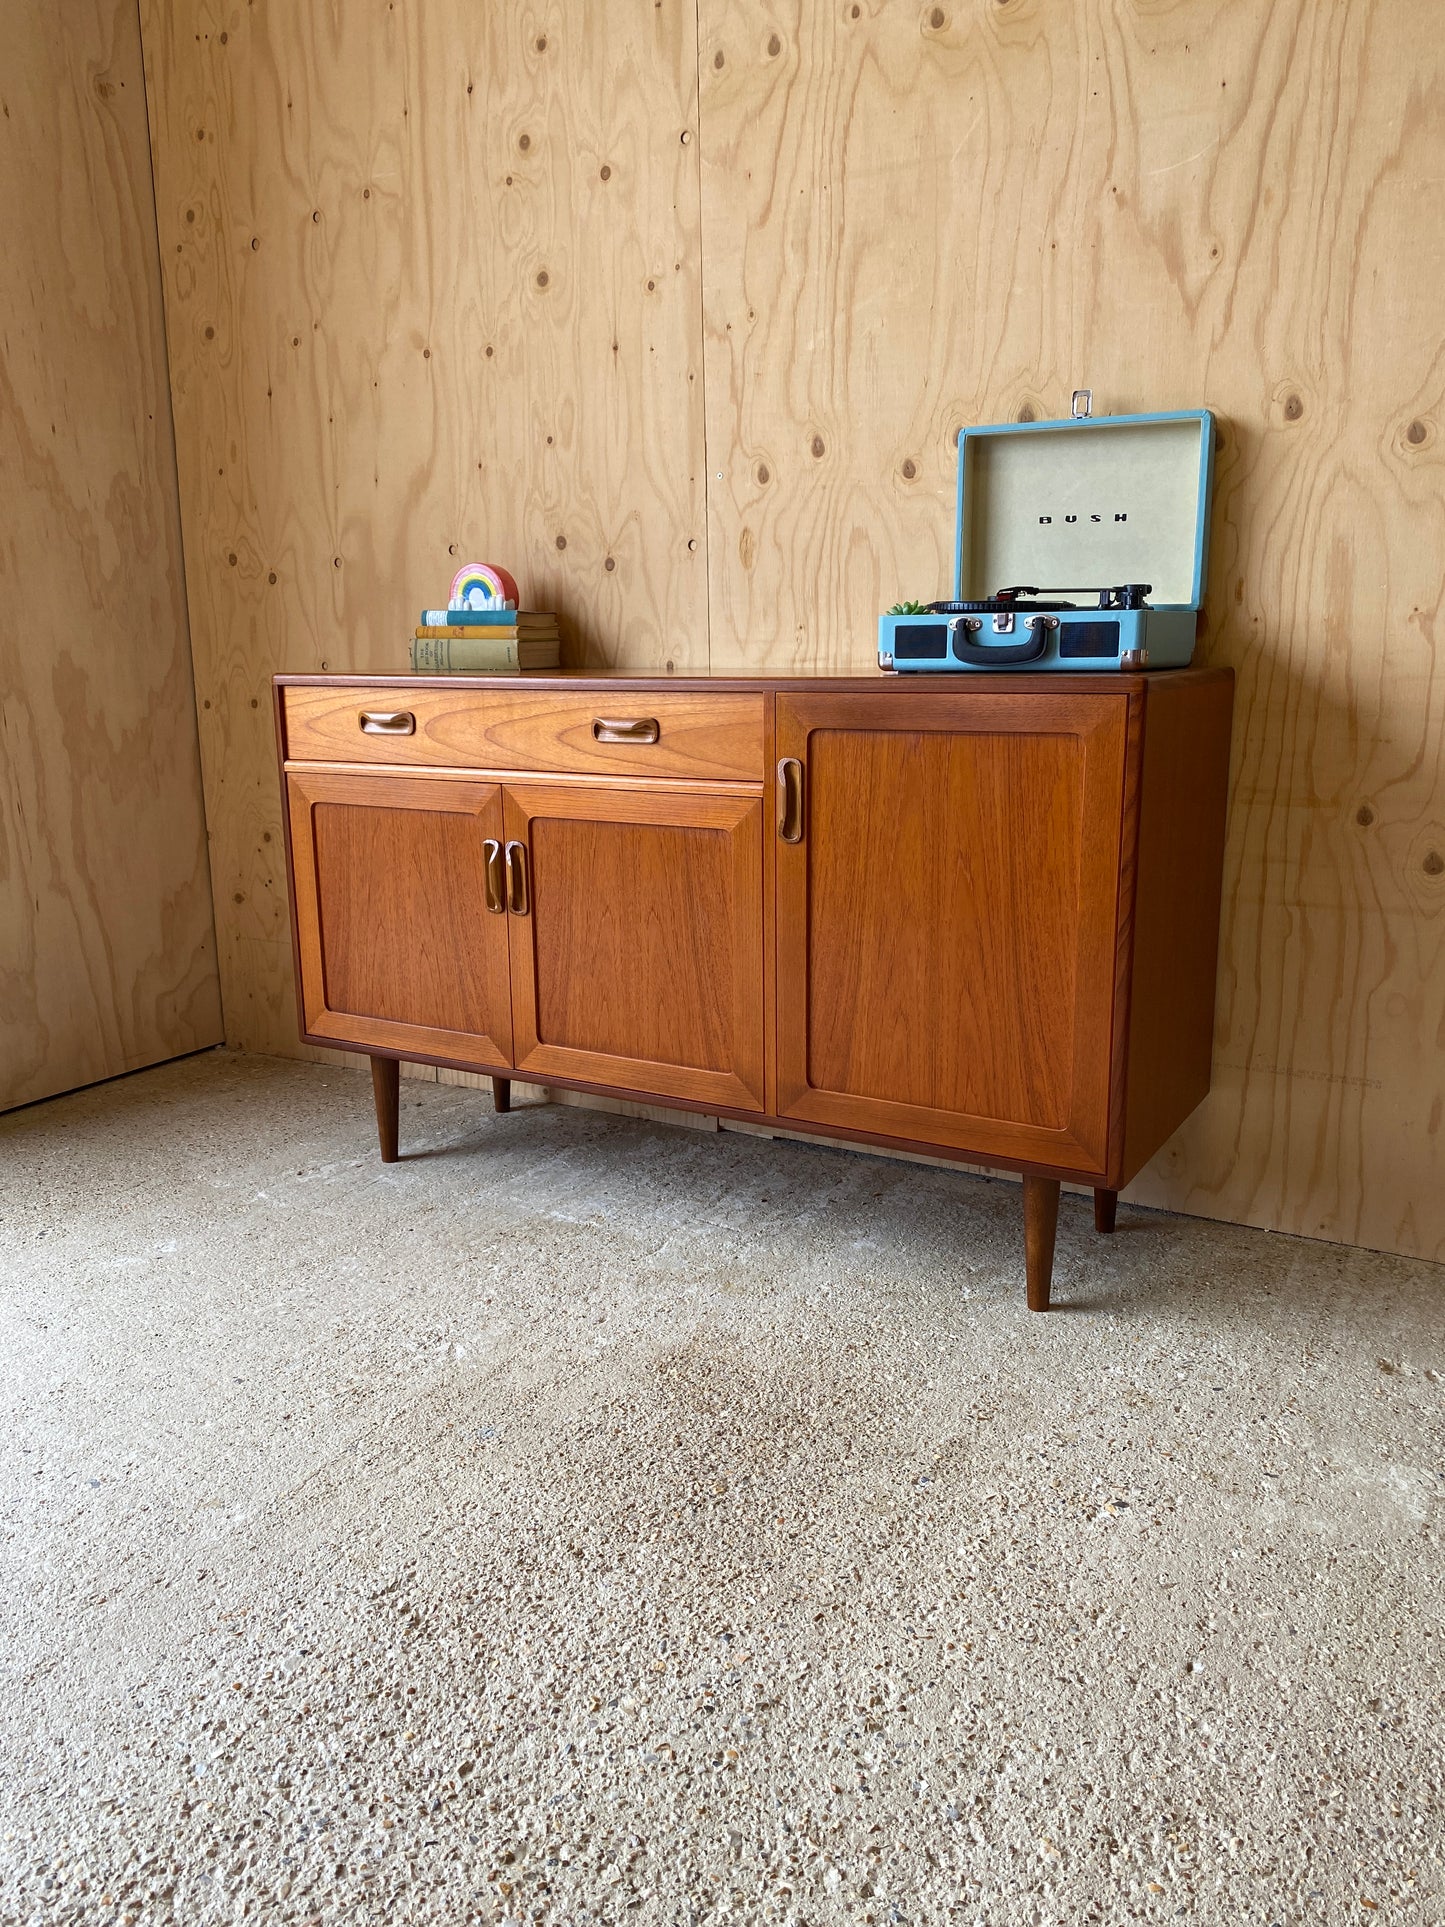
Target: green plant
908, 609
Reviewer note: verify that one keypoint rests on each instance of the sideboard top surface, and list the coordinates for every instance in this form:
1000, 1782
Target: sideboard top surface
878, 684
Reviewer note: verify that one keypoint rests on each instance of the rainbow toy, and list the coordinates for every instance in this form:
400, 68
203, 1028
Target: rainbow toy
480, 585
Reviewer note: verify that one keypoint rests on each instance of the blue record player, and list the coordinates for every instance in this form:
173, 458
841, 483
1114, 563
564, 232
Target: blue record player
1080, 544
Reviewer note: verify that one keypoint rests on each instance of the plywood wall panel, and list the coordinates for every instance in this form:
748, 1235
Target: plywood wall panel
107, 953
916, 217
888, 219
433, 285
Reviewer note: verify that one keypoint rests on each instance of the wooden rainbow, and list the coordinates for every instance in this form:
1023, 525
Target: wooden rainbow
481, 585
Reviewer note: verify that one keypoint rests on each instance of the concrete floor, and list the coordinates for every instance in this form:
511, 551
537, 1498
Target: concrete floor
584, 1520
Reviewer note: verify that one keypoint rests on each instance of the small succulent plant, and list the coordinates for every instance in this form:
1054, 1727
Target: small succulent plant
908, 609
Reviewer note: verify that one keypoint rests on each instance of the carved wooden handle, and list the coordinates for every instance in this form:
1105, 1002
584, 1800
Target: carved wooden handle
519, 900
387, 722
639, 729
790, 800
496, 902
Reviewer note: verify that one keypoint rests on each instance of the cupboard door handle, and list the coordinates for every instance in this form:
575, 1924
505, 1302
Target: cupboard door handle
496, 902
518, 900
639, 729
790, 800
387, 722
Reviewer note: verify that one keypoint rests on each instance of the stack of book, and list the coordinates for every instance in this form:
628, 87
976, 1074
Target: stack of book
484, 642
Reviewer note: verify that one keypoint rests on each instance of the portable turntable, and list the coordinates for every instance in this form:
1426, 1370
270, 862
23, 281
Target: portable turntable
1118, 504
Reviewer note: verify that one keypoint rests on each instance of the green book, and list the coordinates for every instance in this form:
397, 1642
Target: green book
482, 655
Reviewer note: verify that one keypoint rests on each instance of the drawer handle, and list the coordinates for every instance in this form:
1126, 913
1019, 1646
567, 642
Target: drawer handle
496, 902
387, 722
518, 899
790, 800
640, 729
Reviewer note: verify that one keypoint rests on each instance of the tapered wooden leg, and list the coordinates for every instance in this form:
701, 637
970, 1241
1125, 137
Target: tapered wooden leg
502, 1094
386, 1089
1106, 1205
1041, 1222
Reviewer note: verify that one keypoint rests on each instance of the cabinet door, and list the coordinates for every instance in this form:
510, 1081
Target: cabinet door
399, 950
948, 920
637, 939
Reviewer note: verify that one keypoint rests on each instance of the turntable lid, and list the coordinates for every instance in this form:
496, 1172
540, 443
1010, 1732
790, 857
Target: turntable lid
1097, 502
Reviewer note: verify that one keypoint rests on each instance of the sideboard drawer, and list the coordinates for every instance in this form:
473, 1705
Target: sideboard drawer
621, 732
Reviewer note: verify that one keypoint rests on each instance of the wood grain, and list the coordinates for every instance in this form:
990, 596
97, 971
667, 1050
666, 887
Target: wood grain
640, 963
920, 216
1229, 205
433, 294
947, 924
1174, 920
107, 952
714, 737
398, 950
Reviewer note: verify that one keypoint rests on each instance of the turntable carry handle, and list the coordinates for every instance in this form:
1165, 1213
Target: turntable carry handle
999, 655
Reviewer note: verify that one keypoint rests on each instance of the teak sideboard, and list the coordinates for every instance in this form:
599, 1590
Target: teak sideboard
978, 922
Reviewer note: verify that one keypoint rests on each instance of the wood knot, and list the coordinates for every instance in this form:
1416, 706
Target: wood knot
561, 541
1416, 432
764, 474
543, 278
938, 18
719, 60
819, 446
775, 46
1293, 408
1364, 816
1026, 412
606, 174
1434, 863
910, 469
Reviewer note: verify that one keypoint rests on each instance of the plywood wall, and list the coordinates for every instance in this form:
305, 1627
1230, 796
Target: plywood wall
107, 952
433, 283
916, 217
833, 231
